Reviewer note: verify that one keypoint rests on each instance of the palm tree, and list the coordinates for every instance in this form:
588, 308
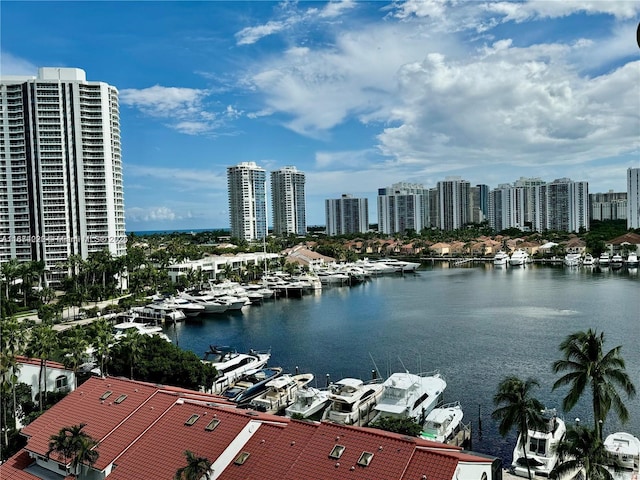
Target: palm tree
195, 469
581, 451
12, 337
102, 341
517, 408
75, 350
42, 344
586, 365
132, 344
75, 447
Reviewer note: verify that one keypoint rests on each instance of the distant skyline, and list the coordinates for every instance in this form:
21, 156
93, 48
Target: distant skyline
357, 95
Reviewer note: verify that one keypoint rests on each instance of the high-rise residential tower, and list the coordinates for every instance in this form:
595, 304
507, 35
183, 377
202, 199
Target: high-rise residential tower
247, 201
454, 202
347, 215
565, 205
402, 207
60, 169
633, 198
288, 201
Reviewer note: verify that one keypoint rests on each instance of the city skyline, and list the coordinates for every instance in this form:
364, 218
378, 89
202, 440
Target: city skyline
358, 95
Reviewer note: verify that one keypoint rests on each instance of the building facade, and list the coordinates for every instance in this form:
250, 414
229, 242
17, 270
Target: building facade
608, 206
403, 207
565, 205
61, 190
346, 215
454, 203
633, 198
506, 206
247, 201
288, 201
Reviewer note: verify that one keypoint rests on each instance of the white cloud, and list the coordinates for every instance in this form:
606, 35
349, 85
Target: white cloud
12, 65
522, 11
335, 9
152, 214
179, 178
250, 35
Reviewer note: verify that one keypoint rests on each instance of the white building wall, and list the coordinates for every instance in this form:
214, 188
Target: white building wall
633, 198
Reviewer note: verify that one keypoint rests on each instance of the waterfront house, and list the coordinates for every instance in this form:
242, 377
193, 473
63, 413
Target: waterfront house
58, 377
629, 242
143, 430
441, 249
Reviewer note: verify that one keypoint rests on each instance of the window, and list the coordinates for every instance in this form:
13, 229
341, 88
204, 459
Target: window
120, 399
105, 395
537, 445
337, 451
192, 419
212, 425
365, 459
61, 382
240, 459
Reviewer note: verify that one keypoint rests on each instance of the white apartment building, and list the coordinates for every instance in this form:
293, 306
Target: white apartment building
608, 206
506, 207
60, 168
454, 203
403, 206
346, 215
247, 201
633, 198
288, 201
562, 205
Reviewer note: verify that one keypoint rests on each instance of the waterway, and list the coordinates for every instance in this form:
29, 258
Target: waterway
474, 324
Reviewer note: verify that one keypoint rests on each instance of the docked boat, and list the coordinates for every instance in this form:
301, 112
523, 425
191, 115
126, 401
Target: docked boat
159, 312
632, 260
588, 260
190, 309
541, 447
616, 261
399, 266
572, 259
120, 330
501, 258
443, 423
209, 302
519, 258
604, 259
352, 400
407, 395
251, 384
623, 452
280, 392
308, 402
231, 365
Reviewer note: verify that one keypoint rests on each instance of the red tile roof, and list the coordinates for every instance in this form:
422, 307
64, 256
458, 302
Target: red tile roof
146, 435
36, 362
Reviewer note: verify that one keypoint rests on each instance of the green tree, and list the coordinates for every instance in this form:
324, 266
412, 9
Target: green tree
75, 447
603, 373
42, 344
12, 338
75, 350
405, 426
581, 450
517, 408
195, 469
132, 345
102, 342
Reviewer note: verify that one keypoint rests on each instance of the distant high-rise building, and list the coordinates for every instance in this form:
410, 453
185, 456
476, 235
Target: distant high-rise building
403, 207
506, 206
60, 169
247, 201
608, 206
347, 215
633, 198
479, 203
288, 201
566, 205
454, 202
529, 203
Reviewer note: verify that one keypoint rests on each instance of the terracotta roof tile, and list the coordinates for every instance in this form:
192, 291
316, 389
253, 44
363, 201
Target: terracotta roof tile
431, 465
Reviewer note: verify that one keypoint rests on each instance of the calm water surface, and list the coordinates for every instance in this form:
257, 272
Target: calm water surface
475, 325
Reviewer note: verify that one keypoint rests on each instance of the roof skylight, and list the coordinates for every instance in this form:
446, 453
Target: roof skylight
337, 451
240, 459
120, 399
212, 424
106, 395
365, 459
192, 419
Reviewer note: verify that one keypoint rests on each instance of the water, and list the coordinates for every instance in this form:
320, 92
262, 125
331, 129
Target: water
475, 325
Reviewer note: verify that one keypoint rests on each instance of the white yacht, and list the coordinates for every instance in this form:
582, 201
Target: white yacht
616, 261
407, 395
501, 258
231, 365
588, 260
443, 423
632, 260
120, 330
623, 450
572, 259
209, 302
308, 401
190, 309
280, 392
519, 258
399, 266
541, 447
604, 259
351, 401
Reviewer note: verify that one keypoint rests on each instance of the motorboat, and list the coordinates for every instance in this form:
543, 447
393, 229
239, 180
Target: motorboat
352, 400
399, 266
501, 258
540, 447
308, 401
623, 452
588, 260
233, 303
209, 302
159, 312
120, 330
604, 259
632, 260
251, 384
280, 392
616, 261
231, 365
519, 258
407, 395
443, 423
190, 309
572, 259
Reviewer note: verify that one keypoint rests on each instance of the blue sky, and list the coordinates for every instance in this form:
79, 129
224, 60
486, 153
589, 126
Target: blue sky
358, 95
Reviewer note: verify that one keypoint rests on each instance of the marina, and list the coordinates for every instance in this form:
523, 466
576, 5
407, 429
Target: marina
475, 324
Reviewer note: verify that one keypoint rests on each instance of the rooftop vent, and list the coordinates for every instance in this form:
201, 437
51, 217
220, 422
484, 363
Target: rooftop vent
365, 459
106, 395
192, 419
120, 399
337, 451
212, 425
240, 459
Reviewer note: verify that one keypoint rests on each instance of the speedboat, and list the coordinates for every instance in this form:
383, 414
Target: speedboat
588, 260
604, 259
519, 258
352, 400
616, 261
280, 392
541, 447
623, 452
572, 259
632, 260
309, 401
251, 384
408, 395
501, 258
231, 365
443, 423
